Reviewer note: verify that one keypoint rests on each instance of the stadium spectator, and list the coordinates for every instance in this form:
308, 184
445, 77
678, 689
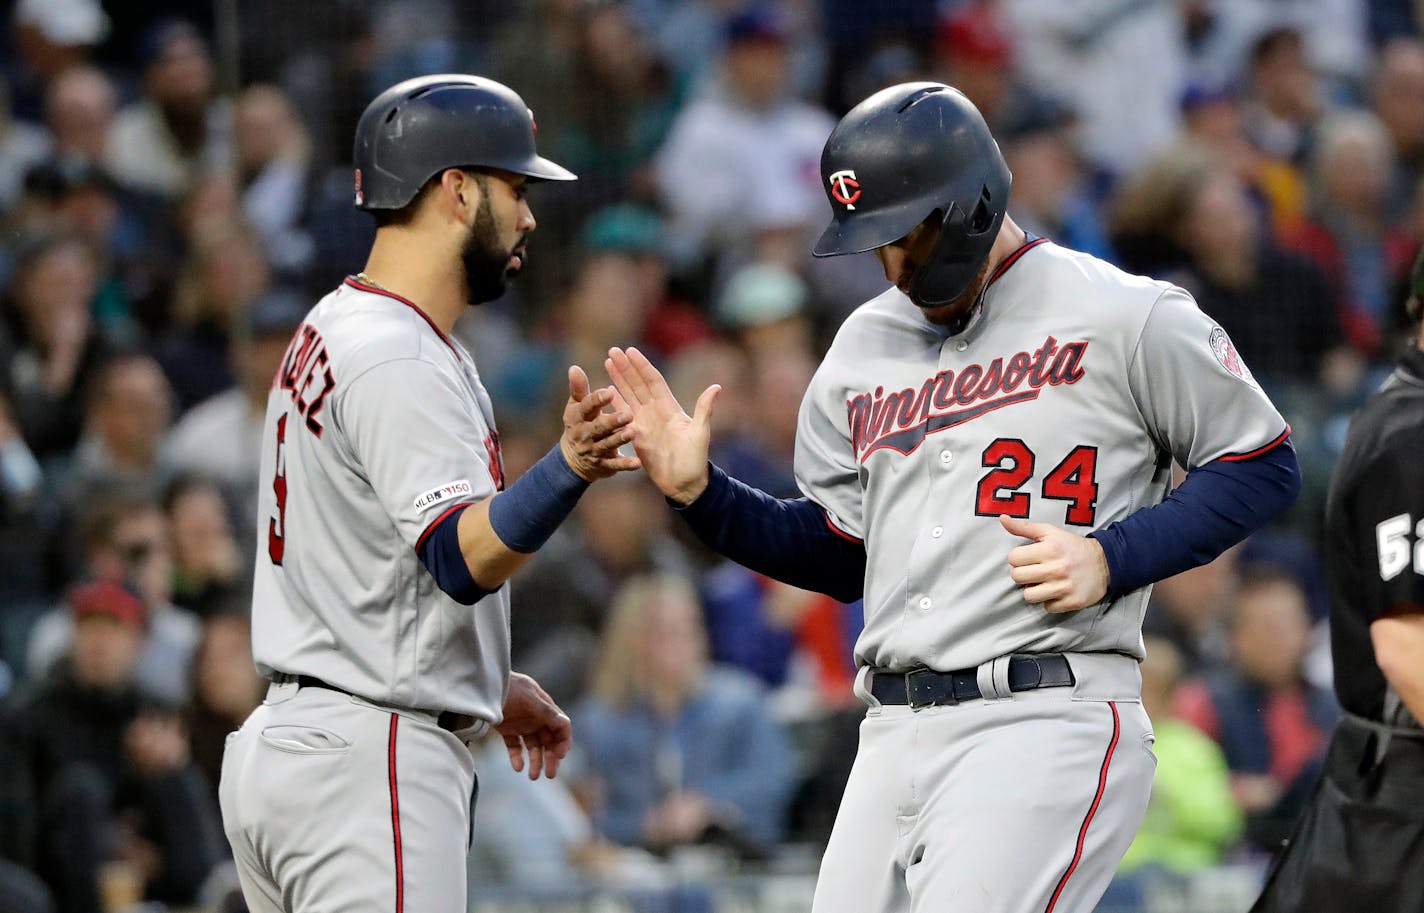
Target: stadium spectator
225, 274
1348, 234
124, 536
226, 688
209, 567
52, 352
181, 128
275, 175
80, 106
1399, 101
1192, 817
1051, 193
1270, 721
126, 419
219, 436
622, 531
1286, 99
110, 769
49, 38
1082, 55
974, 49
742, 158
1189, 611
683, 751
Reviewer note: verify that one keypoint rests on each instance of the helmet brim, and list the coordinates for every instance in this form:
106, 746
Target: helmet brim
539, 168
850, 234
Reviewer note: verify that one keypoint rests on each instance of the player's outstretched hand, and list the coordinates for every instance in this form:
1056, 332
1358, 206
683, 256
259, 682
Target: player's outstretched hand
533, 723
672, 444
592, 436
1059, 570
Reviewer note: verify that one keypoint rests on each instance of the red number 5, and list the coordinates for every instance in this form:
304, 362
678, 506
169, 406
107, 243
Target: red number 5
1074, 480
277, 526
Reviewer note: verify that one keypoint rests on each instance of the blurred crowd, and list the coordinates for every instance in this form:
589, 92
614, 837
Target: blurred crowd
176, 191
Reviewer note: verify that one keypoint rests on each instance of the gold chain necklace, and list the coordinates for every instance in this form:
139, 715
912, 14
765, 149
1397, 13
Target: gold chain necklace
367, 280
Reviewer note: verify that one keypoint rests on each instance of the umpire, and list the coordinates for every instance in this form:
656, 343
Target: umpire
1360, 843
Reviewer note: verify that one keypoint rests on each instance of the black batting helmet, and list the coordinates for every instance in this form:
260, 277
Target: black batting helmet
416, 129
906, 153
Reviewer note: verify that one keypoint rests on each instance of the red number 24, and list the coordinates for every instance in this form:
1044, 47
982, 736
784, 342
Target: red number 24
1010, 463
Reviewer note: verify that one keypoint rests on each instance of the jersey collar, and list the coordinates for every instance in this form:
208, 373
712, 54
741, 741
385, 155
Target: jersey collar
361, 286
1030, 242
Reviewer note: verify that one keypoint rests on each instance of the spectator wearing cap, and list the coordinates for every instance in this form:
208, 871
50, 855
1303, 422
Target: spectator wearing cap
763, 310
636, 232
181, 127
50, 37
744, 157
125, 536
109, 768
220, 436
1051, 194
975, 53
1214, 117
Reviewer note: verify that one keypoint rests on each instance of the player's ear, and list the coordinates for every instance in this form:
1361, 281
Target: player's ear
461, 193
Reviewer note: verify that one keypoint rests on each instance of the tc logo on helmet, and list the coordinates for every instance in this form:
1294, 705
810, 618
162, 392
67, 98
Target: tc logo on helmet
845, 188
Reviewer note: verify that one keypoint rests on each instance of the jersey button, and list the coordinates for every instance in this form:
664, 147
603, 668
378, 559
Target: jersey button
937, 532
946, 457
925, 603
961, 346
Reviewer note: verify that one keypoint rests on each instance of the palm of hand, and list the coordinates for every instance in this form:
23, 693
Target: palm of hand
671, 444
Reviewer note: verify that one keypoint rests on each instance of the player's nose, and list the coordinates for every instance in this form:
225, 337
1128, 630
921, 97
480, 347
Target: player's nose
526, 222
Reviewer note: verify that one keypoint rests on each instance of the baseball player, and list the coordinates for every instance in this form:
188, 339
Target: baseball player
387, 533
985, 452
1357, 845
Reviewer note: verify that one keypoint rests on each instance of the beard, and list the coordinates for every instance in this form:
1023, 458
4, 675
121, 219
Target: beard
486, 260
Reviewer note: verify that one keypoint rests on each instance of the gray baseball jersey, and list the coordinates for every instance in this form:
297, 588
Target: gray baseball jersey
1064, 400
377, 427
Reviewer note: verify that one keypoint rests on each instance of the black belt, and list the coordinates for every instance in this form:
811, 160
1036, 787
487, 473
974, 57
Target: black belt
928, 688
449, 720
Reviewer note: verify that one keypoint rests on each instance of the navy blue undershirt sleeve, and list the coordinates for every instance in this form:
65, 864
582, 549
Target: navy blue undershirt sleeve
439, 551
789, 539
1216, 506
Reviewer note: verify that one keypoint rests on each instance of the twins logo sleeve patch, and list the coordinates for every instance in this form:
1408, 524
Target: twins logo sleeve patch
443, 494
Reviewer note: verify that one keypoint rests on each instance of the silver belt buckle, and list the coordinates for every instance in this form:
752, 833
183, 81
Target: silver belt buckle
922, 702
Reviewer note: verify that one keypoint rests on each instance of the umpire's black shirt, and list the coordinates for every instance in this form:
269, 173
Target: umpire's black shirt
1374, 532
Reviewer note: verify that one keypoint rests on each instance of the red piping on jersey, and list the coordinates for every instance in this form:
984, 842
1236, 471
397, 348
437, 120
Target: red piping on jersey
840, 532
1013, 258
357, 284
395, 817
1092, 809
1233, 457
420, 543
